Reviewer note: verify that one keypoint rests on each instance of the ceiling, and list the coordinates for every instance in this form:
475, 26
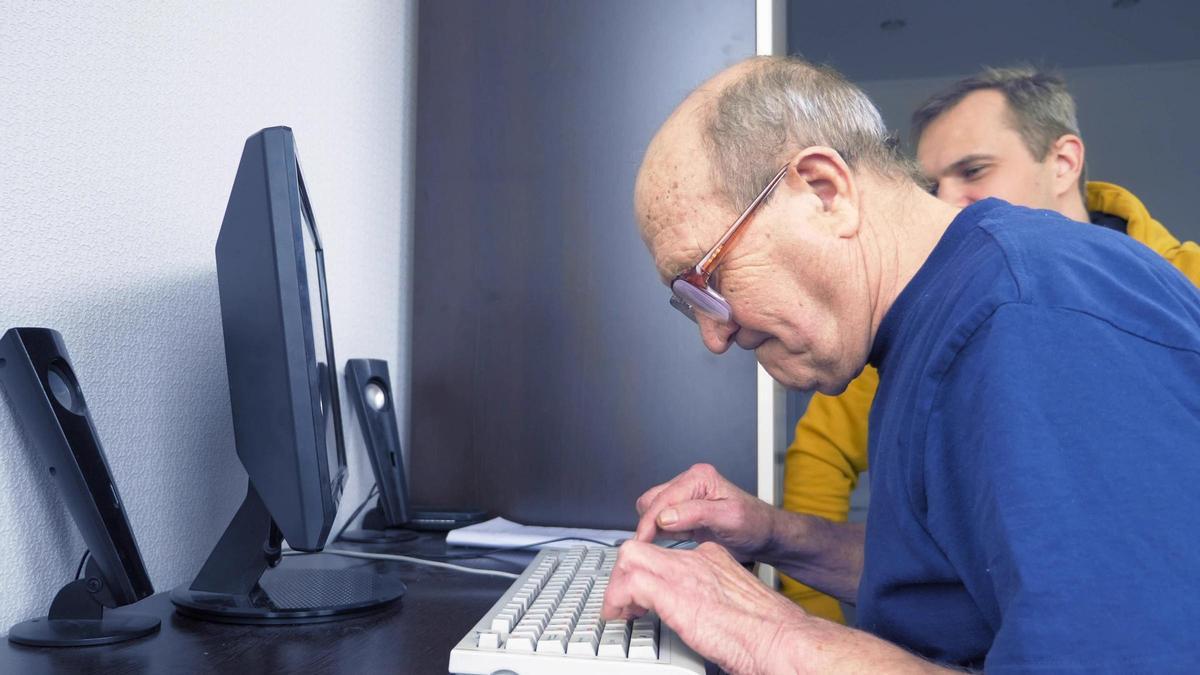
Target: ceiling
956, 37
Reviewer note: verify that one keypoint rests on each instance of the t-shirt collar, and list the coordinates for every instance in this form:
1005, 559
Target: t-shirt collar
914, 291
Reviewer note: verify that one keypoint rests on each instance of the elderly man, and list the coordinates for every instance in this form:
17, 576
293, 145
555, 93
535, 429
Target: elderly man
1022, 357
1010, 133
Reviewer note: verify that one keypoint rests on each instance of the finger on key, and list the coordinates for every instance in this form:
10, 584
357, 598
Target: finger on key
626, 596
648, 496
699, 483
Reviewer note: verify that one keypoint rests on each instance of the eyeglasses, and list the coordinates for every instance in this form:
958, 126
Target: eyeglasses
690, 292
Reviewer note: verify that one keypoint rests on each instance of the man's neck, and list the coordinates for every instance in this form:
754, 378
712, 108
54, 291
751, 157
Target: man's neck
1073, 207
903, 224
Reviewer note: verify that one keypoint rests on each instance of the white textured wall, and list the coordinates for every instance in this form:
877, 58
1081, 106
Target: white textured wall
121, 125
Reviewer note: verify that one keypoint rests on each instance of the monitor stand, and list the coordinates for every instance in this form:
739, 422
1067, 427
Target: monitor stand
243, 580
83, 615
376, 530
429, 519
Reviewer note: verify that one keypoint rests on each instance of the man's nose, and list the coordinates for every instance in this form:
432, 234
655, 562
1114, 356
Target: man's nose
717, 335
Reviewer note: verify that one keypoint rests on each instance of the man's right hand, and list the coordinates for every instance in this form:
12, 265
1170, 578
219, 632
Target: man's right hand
701, 504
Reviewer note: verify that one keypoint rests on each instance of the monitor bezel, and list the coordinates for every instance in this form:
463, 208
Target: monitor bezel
335, 477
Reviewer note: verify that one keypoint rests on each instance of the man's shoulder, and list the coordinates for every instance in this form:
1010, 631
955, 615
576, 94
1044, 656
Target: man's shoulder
1029, 231
1028, 241
1055, 263
1057, 260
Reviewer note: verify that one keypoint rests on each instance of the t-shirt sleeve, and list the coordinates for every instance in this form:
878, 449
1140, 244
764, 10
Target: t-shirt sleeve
1061, 471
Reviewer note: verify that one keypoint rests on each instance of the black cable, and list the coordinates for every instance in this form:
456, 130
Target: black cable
79, 570
478, 554
490, 551
371, 493
484, 553
679, 543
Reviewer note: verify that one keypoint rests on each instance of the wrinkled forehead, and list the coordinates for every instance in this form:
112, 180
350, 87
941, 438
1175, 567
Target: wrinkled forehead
679, 212
680, 219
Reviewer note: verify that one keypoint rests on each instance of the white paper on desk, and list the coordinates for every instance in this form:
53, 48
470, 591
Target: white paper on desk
501, 533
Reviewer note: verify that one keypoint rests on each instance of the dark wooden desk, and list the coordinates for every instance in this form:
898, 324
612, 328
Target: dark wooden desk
413, 636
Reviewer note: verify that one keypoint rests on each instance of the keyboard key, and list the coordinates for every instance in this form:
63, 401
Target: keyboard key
643, 648
641, 634
520, 642
617, 626
550, 622
553, 641
489, 640
503, 623
612, 644
583, 644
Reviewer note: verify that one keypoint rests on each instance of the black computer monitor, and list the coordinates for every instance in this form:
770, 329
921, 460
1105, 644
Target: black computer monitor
36, 373
286, 413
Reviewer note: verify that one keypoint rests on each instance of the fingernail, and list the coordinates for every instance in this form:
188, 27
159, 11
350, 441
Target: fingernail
668, 517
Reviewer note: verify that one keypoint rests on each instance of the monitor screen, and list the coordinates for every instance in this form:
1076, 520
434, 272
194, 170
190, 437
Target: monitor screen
318, 305
283, 384
287, 418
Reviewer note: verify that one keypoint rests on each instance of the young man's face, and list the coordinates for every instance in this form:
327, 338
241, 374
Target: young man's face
972, 152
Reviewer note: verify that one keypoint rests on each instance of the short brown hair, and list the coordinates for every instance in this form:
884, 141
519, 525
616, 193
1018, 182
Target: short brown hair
1041, 108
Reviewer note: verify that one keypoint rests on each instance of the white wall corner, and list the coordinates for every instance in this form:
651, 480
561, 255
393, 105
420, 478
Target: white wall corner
770, 22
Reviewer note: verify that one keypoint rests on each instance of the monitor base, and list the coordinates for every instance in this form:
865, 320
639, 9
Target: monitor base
427, 519
296, 596
376, 529
391, 535
247, 579
112, 628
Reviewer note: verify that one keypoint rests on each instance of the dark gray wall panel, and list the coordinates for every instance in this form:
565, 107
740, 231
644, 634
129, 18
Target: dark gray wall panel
552, 383
946, 38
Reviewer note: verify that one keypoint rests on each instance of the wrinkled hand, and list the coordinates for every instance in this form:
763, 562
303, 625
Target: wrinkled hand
701, 504
717, 607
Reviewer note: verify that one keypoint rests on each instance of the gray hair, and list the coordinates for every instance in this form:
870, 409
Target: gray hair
786, 104
1041, 109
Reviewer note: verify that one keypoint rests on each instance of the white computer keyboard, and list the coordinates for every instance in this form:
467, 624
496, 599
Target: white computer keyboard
548, 623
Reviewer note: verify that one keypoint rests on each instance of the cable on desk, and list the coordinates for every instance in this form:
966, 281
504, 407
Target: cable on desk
405, 558
432, 559
682, 542
489, 551
472, 570
370, 493
460, 556
79, 570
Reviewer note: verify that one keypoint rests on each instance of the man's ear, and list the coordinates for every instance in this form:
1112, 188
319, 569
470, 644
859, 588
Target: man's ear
822, 172
1068, 155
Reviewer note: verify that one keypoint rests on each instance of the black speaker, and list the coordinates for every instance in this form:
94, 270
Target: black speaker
391, 520
36, 372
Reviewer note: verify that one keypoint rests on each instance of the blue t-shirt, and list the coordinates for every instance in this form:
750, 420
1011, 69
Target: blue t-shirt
1035, 452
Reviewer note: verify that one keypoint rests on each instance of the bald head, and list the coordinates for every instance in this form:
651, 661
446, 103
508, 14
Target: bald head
674, 189
802, 282
730, 135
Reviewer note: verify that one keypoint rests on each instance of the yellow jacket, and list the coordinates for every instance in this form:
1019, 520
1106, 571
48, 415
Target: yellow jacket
829, 450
